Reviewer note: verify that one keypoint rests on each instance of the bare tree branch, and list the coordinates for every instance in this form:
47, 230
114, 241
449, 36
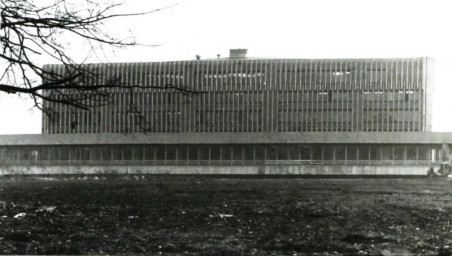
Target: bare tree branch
29, 30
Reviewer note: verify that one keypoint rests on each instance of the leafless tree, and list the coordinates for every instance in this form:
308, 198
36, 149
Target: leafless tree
30, 31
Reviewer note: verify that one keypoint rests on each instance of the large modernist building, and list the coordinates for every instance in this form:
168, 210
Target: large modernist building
243, 115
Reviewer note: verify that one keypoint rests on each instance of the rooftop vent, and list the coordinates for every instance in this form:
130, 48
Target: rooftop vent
237, 53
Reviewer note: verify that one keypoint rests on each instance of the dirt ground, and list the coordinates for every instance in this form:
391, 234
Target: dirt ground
217, 216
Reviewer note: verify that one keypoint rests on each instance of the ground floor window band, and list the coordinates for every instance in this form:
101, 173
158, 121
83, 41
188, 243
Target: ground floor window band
222, 154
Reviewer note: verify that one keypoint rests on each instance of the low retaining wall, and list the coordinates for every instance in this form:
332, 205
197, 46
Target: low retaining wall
220, 170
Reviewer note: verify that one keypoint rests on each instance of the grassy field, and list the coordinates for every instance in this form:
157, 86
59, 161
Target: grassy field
215, 216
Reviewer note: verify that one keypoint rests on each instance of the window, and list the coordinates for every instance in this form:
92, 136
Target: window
317, 153
149, 153
363, 153
159, 152
282, 152
84, 153
226, 152
411, 153
128, 153
328, 153
64, 153
171, 152
305, 153
399, 153
386, 152
339, 153
293, 152
375, 152
215, 153
117, 153
424, 152
341, 73
352, 152
203, 153
260, 152
272, 152
192, 152
249, 152
138, 154
237, 152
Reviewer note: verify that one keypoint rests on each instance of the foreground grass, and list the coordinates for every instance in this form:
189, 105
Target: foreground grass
202, 215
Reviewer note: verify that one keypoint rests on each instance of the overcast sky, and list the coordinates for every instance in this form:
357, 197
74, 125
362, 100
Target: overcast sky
276, 29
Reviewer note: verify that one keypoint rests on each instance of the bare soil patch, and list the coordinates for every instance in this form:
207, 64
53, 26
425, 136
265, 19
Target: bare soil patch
214, 216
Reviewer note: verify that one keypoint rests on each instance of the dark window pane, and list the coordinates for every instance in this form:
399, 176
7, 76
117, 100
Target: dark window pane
339, 153
260, 152
249, 152
44, 153
138, 152
171, 152
424, 152
64, 153
305, 153
97, 153
128, 153
411, 152
316, 152
204, 153
3, 154
182, 152
328, 152
215, 152
84, 153
160, 152
363, 152
226, 152
293, 152
352, 152
192, 152
75, 153
149, 153
282, 152
117, 153
54, 153
399, 152
33, 154
6, 154
237, 152
386, 152
272, 152
375, 152
106, 153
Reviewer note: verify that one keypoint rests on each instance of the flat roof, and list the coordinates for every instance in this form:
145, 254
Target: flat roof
229, 138
226, 59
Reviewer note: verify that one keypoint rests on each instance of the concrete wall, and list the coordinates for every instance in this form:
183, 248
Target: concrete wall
220, 170
229, 138
429, 70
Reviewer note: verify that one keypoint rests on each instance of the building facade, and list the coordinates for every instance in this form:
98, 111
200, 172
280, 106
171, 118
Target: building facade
257, 95
243, 116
